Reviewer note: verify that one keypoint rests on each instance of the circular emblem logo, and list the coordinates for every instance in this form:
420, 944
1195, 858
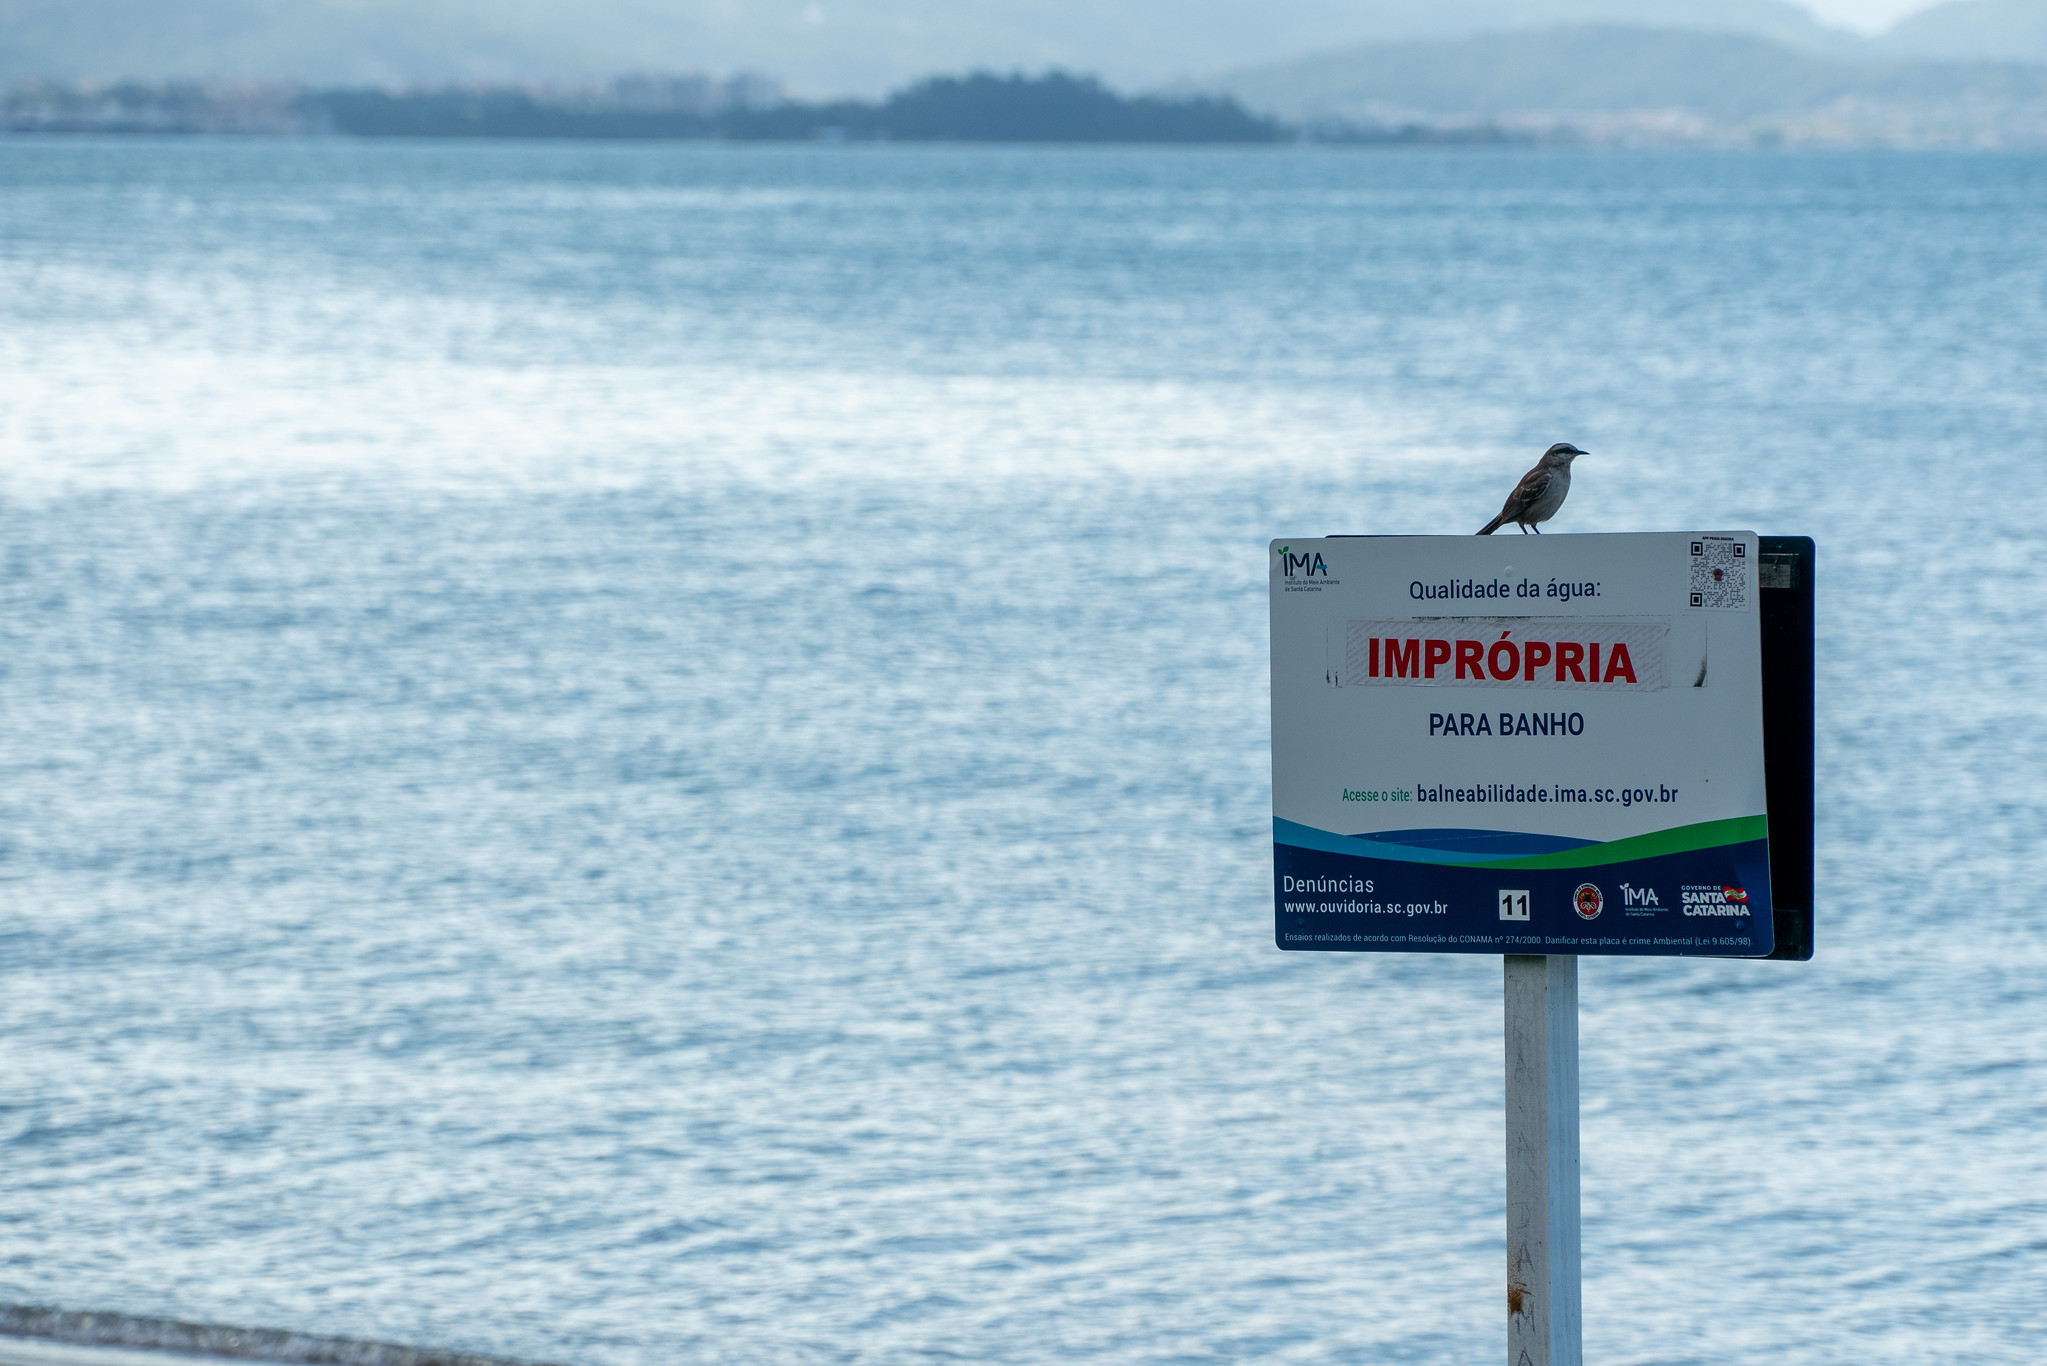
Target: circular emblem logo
1589, 901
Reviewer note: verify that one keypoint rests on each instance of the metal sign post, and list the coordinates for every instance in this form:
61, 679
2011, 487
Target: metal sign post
1544, 1322
1543, 748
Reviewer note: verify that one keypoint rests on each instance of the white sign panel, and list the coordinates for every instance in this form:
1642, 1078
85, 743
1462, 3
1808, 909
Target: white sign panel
1519, 744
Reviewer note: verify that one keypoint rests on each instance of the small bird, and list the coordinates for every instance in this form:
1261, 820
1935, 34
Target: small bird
1541, 491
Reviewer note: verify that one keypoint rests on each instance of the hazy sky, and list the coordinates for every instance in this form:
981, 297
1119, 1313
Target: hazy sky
1867, 16
818, 47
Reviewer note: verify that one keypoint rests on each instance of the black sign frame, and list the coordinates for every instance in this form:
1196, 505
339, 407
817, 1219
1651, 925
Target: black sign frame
1786, 606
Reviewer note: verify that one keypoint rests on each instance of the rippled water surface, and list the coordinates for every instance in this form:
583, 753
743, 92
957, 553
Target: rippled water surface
630, 755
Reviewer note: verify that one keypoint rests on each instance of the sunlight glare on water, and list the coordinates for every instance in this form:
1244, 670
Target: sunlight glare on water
635, 754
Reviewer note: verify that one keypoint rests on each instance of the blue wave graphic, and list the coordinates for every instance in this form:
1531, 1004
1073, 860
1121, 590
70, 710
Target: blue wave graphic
1425, 846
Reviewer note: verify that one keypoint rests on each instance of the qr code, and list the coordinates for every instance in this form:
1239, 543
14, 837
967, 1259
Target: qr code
1719, 572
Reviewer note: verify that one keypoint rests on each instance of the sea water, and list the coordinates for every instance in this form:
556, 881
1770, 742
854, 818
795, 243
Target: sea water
646, 754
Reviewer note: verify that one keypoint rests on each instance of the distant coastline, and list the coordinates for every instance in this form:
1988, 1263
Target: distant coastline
1055, 107
1642, 88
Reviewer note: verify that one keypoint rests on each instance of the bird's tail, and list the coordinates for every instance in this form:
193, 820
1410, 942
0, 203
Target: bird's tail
1494, 525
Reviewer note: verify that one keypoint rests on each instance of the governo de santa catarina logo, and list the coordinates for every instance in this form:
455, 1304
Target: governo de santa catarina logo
1588, 901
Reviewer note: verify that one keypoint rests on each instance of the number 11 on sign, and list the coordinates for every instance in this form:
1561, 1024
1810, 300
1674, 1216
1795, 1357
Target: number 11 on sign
1514, 905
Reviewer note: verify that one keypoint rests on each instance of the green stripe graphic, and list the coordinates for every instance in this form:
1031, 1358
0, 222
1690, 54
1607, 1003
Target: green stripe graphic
1682, 839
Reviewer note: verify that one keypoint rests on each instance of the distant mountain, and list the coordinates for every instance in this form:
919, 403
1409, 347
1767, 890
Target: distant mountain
980, 108
2007, 30
819, 47
1608, 68
1789, 24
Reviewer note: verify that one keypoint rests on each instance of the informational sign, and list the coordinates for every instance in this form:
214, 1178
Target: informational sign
1519, 744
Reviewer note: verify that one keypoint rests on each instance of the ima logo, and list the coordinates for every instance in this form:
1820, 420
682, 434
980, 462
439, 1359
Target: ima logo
1638, 896
1305, 566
